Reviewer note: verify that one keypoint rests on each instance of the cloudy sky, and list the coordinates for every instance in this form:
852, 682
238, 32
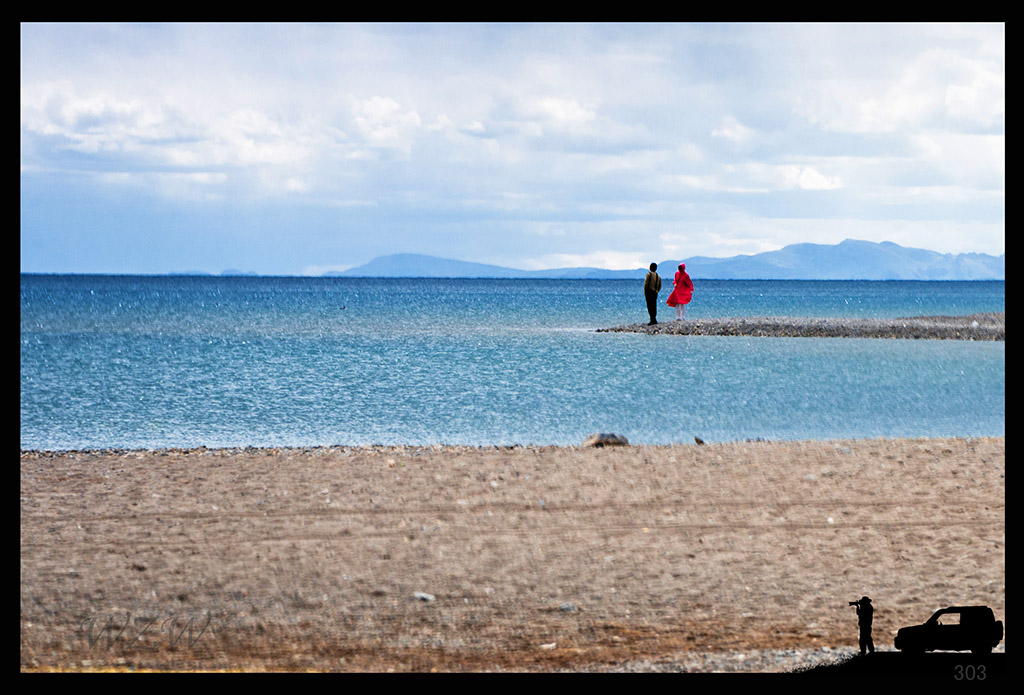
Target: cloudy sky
291, 149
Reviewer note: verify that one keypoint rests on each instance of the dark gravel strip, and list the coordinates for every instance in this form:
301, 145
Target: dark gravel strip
973, 327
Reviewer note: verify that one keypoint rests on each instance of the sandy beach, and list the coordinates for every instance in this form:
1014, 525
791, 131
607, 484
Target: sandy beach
717, 557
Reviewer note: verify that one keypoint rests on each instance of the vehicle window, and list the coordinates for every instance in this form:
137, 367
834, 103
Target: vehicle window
971, 618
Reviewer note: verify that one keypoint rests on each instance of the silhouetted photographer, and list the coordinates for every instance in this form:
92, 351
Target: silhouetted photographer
865, 613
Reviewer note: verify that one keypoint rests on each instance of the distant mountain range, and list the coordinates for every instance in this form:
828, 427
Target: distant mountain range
849, 260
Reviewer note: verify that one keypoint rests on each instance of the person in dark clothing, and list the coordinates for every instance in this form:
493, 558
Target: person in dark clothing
652, 286
864, 615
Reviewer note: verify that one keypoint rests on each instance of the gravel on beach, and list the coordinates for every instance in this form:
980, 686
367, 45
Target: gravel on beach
989, 326
723, 557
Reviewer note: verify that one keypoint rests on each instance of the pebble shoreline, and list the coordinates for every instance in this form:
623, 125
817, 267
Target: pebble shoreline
740, 661
785, 661
990, 326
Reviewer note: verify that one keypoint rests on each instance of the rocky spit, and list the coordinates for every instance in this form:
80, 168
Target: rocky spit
971, 327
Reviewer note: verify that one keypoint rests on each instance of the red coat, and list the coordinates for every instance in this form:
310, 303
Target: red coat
683, 291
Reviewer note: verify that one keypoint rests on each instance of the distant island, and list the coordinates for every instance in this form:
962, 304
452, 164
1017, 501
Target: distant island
848, 260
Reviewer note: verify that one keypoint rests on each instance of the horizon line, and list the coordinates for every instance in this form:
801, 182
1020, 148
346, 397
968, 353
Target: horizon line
249, 276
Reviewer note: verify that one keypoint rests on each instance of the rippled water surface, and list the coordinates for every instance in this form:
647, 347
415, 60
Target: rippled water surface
142, 362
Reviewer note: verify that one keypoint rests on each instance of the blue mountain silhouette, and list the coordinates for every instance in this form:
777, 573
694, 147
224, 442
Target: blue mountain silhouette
849, 260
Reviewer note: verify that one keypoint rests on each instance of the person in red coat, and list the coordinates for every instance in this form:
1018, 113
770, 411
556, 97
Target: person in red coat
681, 293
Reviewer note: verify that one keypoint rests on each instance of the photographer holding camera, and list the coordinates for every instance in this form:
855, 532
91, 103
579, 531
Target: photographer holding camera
864, 615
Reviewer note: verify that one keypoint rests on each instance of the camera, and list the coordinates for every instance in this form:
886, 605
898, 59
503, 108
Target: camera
854, 603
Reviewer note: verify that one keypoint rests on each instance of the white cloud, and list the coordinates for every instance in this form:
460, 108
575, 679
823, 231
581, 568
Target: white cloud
611, 260
810, 179
980, 100
94, 122
757, 177
708, 242
178, 186
146, 132
339, 203
384, 123
939, 88
732, 129
562, 113
508, 129
964, 158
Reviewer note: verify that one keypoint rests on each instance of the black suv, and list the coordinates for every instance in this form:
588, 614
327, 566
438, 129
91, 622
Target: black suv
966, 627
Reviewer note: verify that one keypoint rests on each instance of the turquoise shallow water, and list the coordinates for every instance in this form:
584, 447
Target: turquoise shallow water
145, 362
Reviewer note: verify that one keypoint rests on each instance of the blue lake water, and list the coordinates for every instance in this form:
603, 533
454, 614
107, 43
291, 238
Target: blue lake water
168, 361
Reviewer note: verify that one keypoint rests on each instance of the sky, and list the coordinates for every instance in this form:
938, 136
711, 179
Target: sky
297, 149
